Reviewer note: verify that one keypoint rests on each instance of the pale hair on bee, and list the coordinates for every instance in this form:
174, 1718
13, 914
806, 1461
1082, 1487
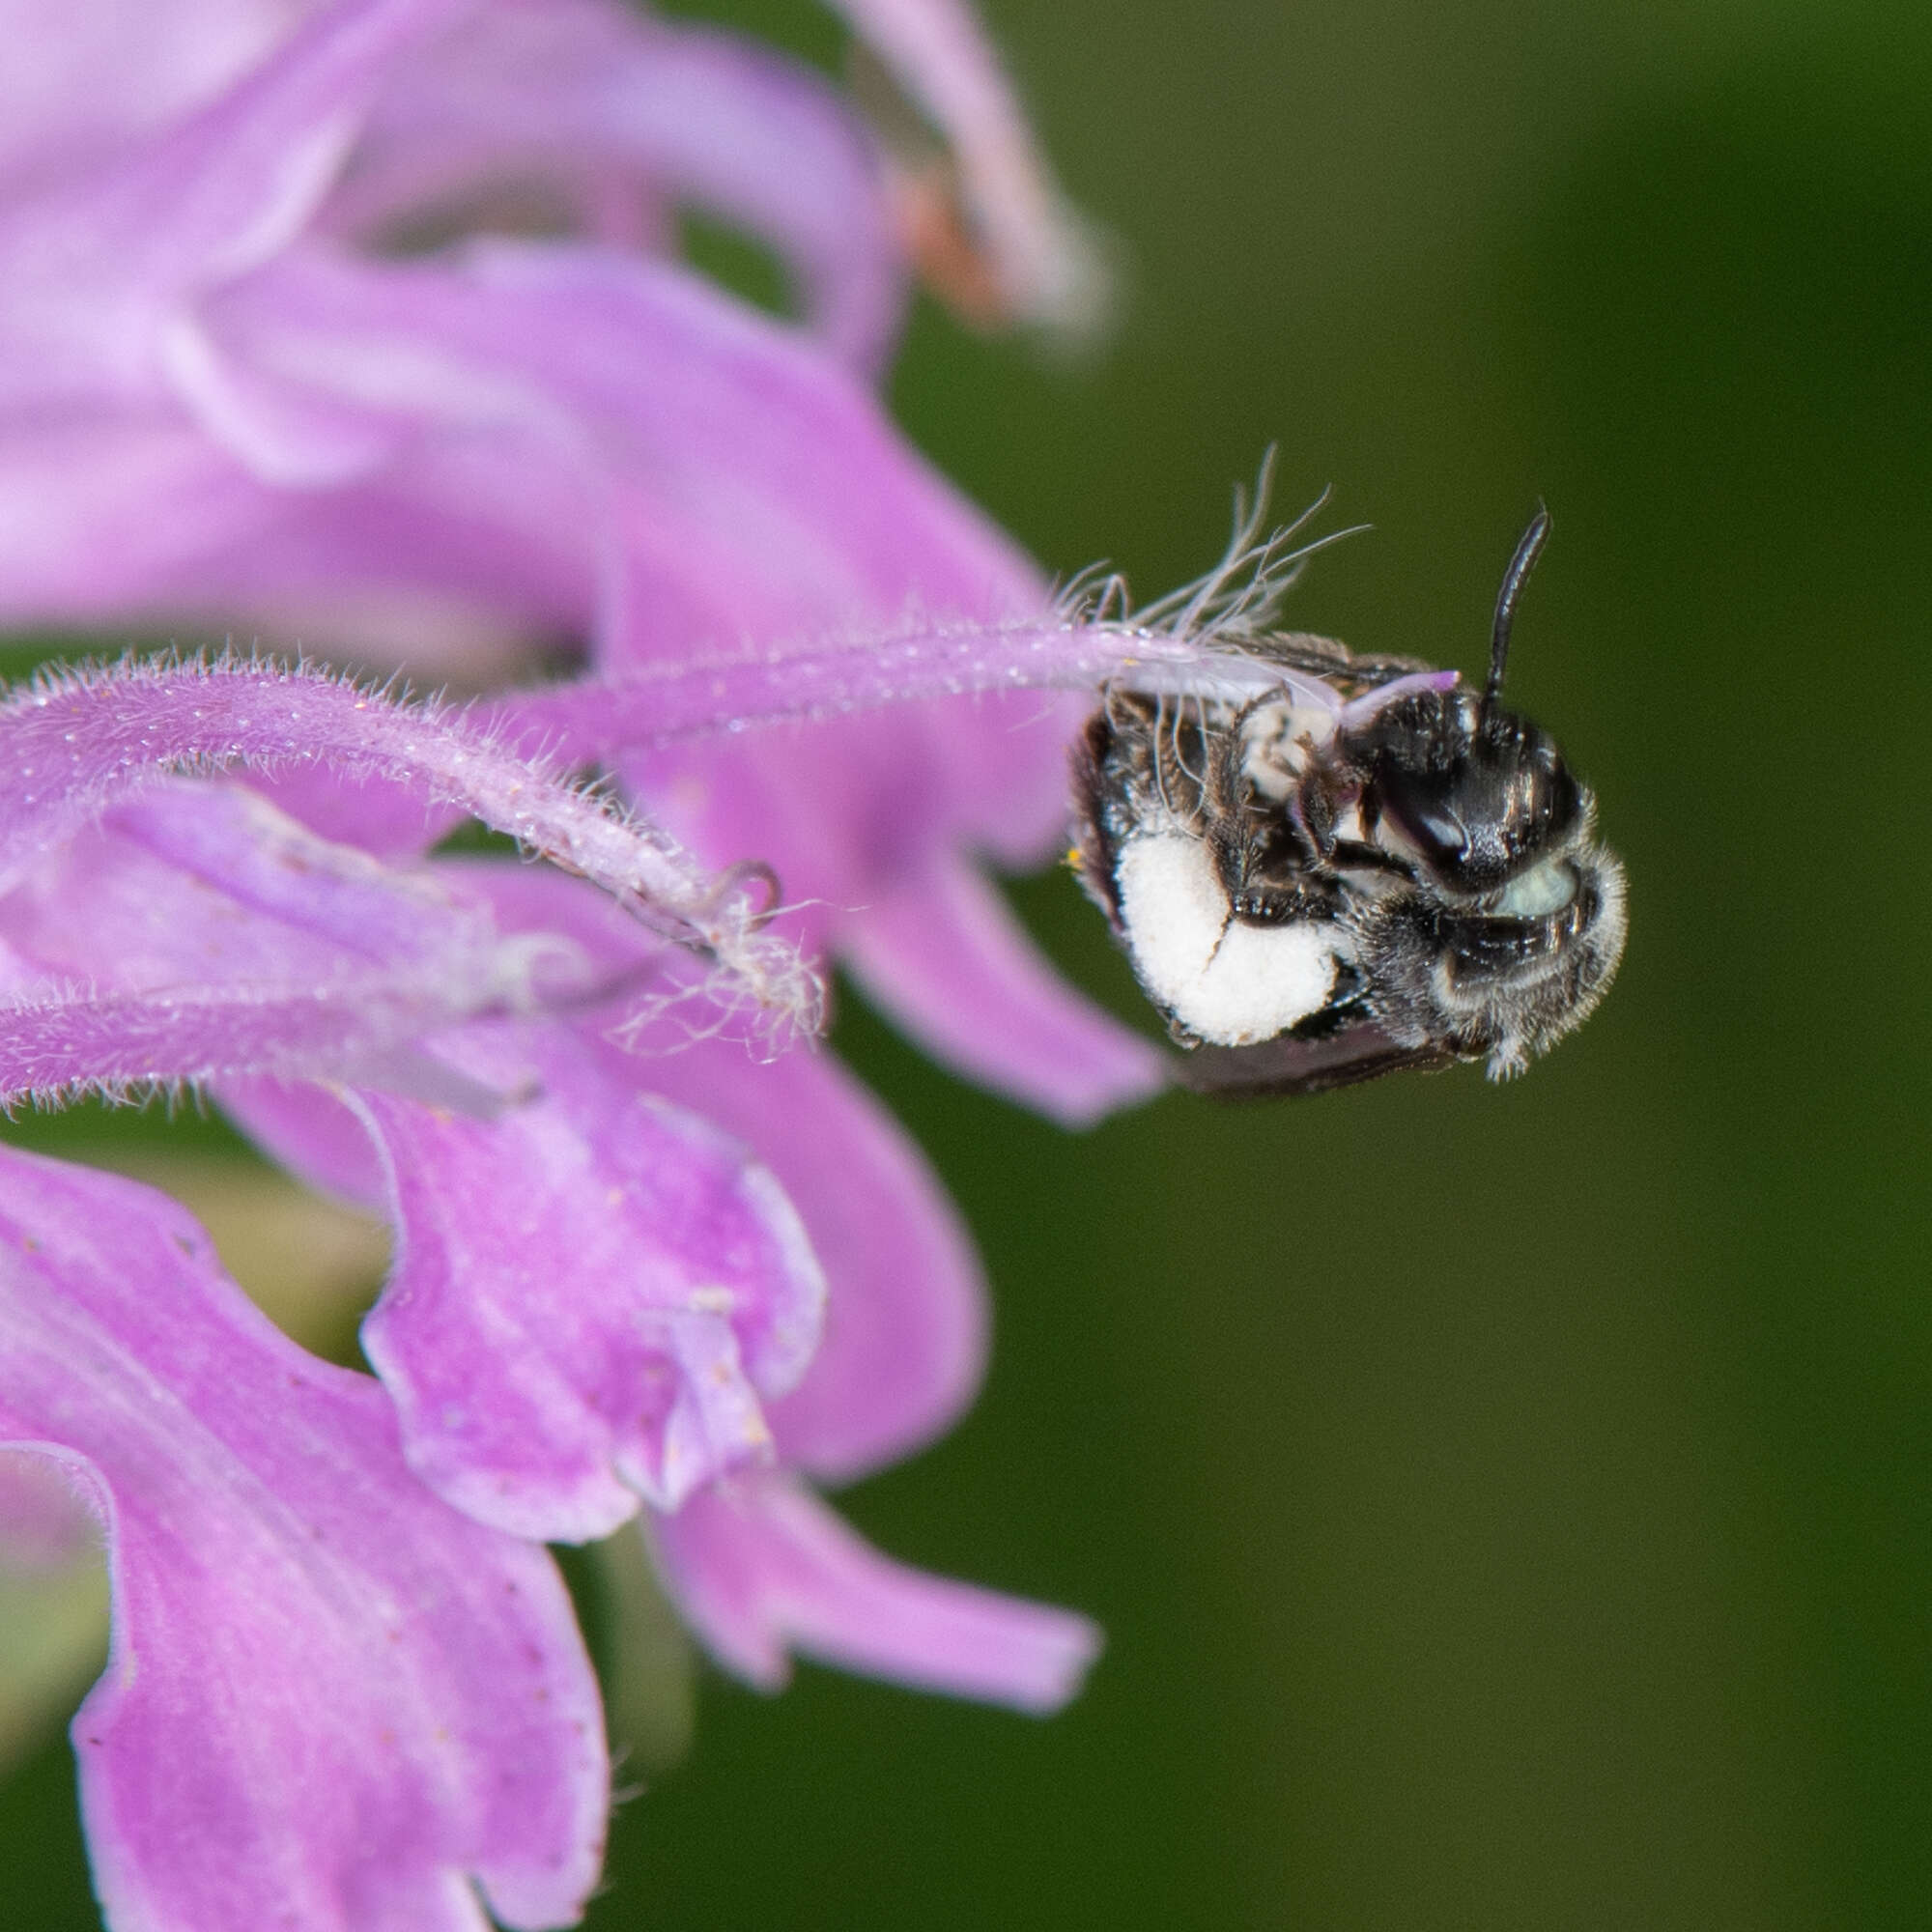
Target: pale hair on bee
1357, 864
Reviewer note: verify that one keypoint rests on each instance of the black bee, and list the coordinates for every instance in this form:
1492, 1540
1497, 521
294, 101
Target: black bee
1368, 866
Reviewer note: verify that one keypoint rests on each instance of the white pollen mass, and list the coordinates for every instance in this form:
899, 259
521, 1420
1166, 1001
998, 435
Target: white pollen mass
1229, 984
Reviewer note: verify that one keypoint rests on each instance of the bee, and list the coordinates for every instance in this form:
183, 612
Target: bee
1364, 866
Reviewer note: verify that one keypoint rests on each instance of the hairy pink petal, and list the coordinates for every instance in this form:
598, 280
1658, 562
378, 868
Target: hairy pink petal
331, 1700
650, 706
760, 1567
859, 809
591, 1297
74, 1042
199, 932
71, 746
946, 960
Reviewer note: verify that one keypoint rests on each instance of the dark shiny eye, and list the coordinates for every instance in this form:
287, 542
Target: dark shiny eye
1425, 808
1480, 804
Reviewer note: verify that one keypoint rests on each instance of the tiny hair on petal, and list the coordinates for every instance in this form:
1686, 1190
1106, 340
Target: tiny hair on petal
1197, 640
79, 739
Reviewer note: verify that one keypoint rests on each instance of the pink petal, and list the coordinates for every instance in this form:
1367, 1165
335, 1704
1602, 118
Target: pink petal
807, 680
210, 882
392, 820
72, 745
318, 1137
904, 1338
705, 474
199, 932
760, 1567
1048, 267
905, 1321
85, 79
847, 813
44, 1521
592, 1294
624, 113
110, 510
331, 1700
100, 267
312, 1132
951, 963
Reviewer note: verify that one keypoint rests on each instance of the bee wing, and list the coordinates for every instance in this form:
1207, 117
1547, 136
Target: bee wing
1327, 659
1287, 1064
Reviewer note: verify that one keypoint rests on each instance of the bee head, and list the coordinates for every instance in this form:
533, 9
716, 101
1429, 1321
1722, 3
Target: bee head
1514, 924
1479, 795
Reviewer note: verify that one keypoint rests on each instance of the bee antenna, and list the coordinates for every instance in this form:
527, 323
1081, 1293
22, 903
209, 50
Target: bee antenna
1529, 548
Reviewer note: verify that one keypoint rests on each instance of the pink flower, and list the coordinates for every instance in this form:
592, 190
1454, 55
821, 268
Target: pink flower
214, 399
639, 1273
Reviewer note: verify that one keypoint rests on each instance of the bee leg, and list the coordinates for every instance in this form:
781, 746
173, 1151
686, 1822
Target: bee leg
1352, 855
1278, 904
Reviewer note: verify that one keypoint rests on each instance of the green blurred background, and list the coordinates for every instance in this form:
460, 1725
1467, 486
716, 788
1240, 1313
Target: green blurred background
1509, 1507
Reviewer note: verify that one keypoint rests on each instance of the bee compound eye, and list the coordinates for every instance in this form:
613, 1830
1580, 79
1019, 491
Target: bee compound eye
1482, 811
1424, 810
